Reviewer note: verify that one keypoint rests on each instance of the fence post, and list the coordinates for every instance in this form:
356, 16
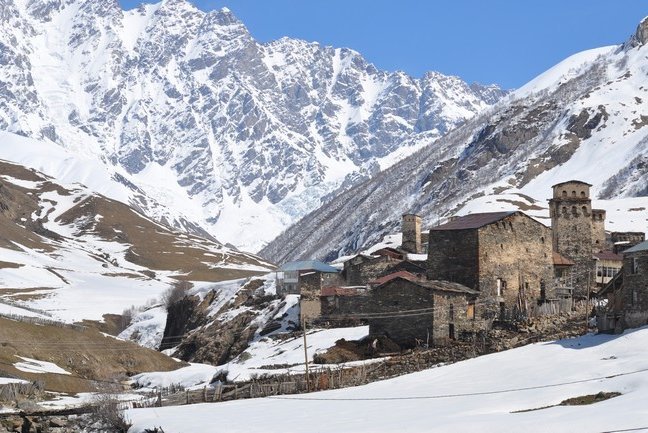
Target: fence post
187, 395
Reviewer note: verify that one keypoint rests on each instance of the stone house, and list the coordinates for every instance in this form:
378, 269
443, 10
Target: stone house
506, 257
626, 293
361, 269
290, 276
621, 241
414, 312
340, 302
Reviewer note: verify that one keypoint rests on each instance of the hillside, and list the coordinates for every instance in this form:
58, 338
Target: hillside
241, 137
511, 391
586, 118
69, 253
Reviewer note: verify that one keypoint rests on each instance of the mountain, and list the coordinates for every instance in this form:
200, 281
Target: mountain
586, 118
68, 252
238, 137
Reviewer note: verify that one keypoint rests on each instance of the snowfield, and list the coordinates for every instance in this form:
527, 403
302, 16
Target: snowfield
485, 394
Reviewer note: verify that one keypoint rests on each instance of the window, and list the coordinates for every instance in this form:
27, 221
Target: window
501, 285
470, 311
574, 211
564, 194
564, 209
583, 194
573, 193
584, 209
451, 312
634, 265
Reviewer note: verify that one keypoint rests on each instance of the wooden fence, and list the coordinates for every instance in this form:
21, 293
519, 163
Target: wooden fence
42, 321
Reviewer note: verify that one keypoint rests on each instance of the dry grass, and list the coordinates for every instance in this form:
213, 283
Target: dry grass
88, 355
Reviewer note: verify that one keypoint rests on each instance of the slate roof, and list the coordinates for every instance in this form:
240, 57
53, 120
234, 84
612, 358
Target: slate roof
307, 265
473, 221
639, 247
571, 181
441, 285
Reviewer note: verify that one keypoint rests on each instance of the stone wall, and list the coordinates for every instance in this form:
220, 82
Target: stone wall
516, 250
453, 255
447, 320
621, 241
310, 286
360, 270
598, 231
635, 289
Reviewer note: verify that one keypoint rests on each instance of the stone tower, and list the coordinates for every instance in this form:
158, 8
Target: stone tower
411, 228
598, 231
572, 228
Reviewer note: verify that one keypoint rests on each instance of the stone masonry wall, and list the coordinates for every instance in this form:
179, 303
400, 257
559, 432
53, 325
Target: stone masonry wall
598, 231
453, 256
635, 289
518, 251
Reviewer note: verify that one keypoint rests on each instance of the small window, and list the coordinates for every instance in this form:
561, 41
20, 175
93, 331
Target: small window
500, 286
502, 246
583, 194
542, 239
573, 193
451, 312
564, 194
564, 209
574, 211
470, 311
634, 265
584, 209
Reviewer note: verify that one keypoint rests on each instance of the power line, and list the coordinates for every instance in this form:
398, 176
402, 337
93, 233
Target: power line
468, 394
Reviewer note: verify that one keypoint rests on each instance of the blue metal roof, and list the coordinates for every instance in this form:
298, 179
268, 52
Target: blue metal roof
307, 265
639, 247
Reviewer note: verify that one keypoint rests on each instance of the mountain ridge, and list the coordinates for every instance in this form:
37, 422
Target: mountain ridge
266, 129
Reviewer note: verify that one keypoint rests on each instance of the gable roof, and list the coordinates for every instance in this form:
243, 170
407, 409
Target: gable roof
560, 260
308, 265
440, 285
400, 274
639, 247
473, 221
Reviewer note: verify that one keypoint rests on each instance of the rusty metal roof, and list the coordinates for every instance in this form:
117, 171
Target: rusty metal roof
473, 221
609, 255
559, 260
400, 274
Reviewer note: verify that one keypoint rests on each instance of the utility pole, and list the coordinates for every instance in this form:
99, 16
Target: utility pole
306, 354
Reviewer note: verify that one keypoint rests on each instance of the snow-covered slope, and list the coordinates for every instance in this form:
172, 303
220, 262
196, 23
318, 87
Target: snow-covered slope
70, 253
241, 137
586, 118
511, 391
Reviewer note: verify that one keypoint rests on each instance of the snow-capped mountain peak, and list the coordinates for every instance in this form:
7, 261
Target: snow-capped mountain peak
254, 135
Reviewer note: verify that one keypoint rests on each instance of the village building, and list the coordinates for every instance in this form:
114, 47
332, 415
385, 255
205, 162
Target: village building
414, 312
608, 264
307, 279
578, 231
626, 293
343, 305
621, 241
505, 256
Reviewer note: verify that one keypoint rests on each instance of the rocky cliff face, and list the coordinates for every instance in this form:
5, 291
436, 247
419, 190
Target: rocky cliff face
239, 137
585, 119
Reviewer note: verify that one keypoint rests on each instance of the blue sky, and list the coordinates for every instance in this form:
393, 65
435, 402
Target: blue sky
489, 41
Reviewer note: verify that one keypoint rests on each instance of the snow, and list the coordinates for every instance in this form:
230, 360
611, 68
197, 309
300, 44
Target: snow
562, 72
263, 352
481, 394
30, 365
8, 380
